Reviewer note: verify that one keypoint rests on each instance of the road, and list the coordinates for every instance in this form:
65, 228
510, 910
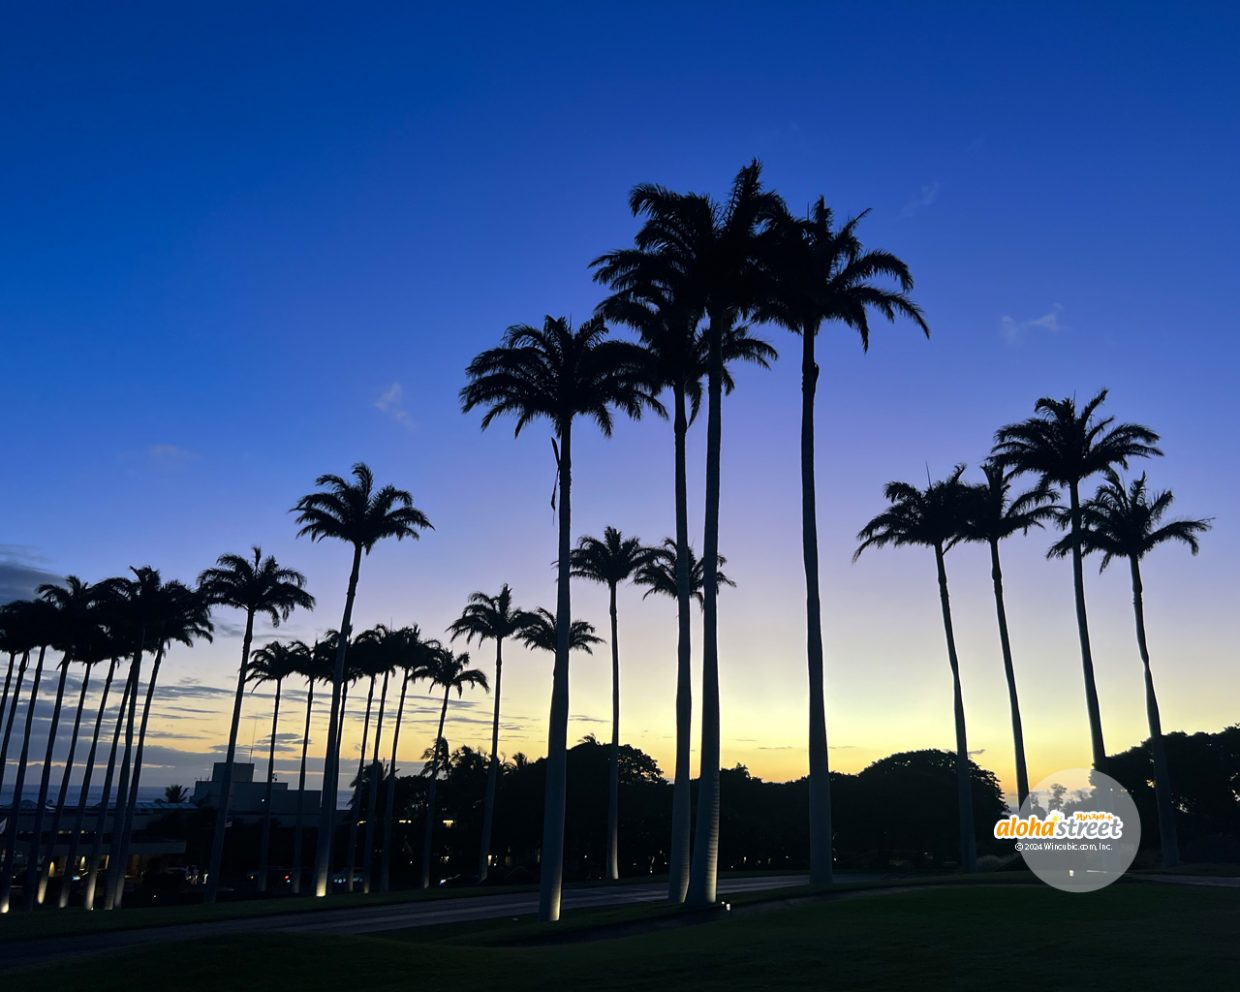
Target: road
377, 919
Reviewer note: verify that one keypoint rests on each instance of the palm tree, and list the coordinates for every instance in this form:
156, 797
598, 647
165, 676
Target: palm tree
258, 586
101, 817
995, 515
541, 632
21, 626
176, 795
932, 518
361, 515
171, 613
660, 573
39, 620
668, 321
1064, 446
417, 656
561, 374
1128, 523
491, 618
610, 561
714, 259
449, 671
273, 662
316, 667
384, 647
825, 275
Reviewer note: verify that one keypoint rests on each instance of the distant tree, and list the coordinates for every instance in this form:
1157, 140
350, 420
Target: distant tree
659, 573
175, 794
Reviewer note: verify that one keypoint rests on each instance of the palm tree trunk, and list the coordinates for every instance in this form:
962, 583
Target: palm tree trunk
331, 758
429, 829
31, 885
221, 810
63, 794
372, 800
1082, 627
15, 804
264, 845
704, 874
1167, 835
96, 849
678, 857
1018, 736
79, 821
389, 806
613, 770
351, 858
551, 867
488, 802
11, 720
116, 867
964, 784
301, 792
4, 697
131, 806
820, 851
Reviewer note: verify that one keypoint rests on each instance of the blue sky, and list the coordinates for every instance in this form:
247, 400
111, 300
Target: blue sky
246, 246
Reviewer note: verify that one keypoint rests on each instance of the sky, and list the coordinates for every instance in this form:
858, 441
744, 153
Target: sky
248, 244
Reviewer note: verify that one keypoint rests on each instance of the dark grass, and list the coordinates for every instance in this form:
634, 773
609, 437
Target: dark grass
966, 937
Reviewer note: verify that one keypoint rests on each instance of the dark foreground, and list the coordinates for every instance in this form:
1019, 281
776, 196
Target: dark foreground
1130, 936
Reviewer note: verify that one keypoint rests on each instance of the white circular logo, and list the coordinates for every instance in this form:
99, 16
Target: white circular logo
1078, 830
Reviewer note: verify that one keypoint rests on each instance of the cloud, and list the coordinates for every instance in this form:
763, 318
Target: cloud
20, 572
392, 402
1015, 331
925, 196
169, 455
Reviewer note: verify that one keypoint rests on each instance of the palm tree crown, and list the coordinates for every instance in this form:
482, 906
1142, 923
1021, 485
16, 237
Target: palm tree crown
257, 585
930, 517
659, 572
278, 660
489, 618
995, 515
358, 513
610, 561
539, 633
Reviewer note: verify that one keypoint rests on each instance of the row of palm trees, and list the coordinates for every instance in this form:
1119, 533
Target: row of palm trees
1061, 446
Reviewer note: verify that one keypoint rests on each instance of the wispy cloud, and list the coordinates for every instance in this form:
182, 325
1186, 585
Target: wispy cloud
169, 455
924, 197
1015, 331
392, 402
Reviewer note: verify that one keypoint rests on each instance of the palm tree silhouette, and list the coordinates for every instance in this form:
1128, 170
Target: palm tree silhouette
610, 561
660, 573
416, 658
1065, 446
169, 612
995, 515
260, 587
361, 515
561, 374
448, 671
933, 518
1128, 523
490, 618
37, 621
385, 646
678, 351
542, 633
176, 794
316, 667
825, 275
367, 661
715, 259
274, 663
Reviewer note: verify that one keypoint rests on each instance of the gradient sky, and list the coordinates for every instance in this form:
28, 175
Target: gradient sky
243, 246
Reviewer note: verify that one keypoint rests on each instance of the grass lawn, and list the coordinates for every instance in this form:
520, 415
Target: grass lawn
1129, 936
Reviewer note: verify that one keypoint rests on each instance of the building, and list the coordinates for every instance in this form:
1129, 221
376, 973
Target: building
247, 798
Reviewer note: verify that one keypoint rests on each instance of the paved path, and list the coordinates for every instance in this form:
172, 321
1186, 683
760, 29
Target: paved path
376, 919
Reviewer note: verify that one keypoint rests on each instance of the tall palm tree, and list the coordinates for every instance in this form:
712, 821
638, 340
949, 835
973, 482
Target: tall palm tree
273, 663
660, 574
1064, 446
417, 657
1128, 523
541, 632
317, 667
22, 625
362, 516
41, 631
259, 587
448, 671
611, 561
932, 518
995, 515
382, 648
714, 259
94, 862
172, 613
559, 373
825, 275
492, 618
